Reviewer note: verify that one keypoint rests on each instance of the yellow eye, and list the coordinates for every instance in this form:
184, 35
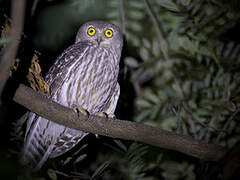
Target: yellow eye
108, 33
91, 31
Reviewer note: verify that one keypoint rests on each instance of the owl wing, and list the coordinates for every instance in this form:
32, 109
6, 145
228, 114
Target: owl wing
57, 72
41, 134
113, 101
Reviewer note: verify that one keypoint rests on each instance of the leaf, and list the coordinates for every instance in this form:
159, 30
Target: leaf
131, 62
100, 170
207, 80
169, 123
143, 103
80, 158
81, 175
146, 43
133, 38
113, 3
121, 145
168, 4
187, 87
162, 95
144, 54
231, 106
112, 15
235, 52
67, 160
136, 5
136, 15
203, 112
143, 115
80, 149
228, 49
51, 173
151, 96
164, 47
192, 104
135, 26
155, 112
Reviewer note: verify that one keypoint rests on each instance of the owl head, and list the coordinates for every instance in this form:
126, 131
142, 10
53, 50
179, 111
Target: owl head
101, 34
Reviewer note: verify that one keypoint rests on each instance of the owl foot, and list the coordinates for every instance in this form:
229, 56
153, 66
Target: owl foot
102, 114
79, 110
112, 116
105, 115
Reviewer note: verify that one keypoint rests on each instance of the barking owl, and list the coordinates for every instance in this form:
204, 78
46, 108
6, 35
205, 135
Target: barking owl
84, 75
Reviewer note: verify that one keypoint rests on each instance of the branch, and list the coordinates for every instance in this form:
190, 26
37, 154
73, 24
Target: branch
226, 125
8, 58
228, 166
161, 39
122, 17
116, 128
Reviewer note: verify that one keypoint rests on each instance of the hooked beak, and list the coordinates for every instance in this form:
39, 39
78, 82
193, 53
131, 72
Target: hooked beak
99, 39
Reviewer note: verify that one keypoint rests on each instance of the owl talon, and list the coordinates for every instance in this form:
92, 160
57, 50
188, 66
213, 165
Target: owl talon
105, 115
112, 116
102, 114
79, 110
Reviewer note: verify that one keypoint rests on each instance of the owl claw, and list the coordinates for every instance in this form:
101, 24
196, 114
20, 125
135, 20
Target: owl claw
79, 110
112, 116
102, 114
105, 115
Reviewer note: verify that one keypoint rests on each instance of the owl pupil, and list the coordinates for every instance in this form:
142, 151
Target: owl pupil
108, 33
91, 31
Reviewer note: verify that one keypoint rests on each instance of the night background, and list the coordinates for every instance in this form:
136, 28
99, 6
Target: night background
179, 71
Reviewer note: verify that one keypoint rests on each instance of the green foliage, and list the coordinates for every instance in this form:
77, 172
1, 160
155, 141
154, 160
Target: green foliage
205, 67
129, 161
132, 13
200, 76
174, 170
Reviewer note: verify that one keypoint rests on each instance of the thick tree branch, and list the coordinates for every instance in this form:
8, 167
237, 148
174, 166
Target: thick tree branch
116, 128
10, 51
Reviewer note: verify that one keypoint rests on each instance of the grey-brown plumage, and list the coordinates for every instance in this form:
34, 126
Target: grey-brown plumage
84, 75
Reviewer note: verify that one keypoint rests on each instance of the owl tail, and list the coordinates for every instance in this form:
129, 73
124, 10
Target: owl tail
35, 153
33, 159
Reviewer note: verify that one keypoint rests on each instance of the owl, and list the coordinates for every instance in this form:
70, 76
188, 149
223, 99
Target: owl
84, 75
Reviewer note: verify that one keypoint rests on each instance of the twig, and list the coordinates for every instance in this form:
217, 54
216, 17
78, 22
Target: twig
226, 125
228, 166
210, 127
177, 111
10, 51
66, 175
116, 128
122, 16
157, 27
34, 6
186, 109
61, 173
